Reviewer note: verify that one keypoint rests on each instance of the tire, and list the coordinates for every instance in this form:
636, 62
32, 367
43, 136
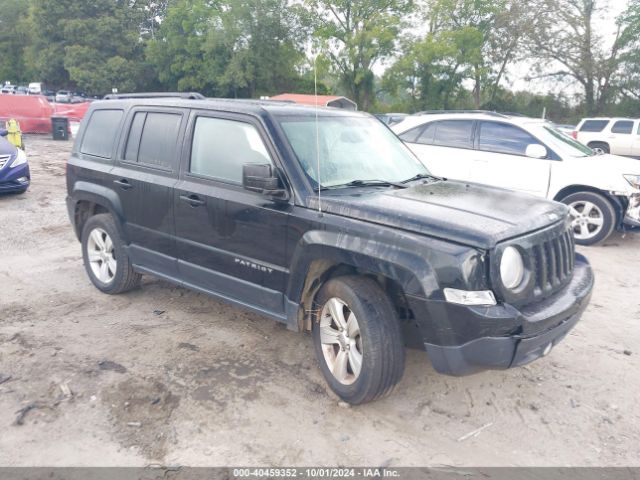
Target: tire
600, 146
101, 259
377, 342
593, 217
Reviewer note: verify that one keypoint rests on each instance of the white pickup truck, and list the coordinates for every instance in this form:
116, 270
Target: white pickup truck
530, 155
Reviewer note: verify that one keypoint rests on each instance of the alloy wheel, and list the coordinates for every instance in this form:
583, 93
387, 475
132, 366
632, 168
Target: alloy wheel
341, 341
587, 219
101, 255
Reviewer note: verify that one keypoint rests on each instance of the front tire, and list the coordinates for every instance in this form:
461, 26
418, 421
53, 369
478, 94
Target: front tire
593, 218
357, 339
105, 260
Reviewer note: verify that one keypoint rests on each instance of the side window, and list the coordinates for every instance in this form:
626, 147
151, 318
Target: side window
135, 132
411, 135
622, 126
153, 139
221, 147
426, 138
101, 132
503, 138
454, 133
594, 125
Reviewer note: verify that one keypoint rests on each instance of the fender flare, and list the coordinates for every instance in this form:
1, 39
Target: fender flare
99, 195
410, 270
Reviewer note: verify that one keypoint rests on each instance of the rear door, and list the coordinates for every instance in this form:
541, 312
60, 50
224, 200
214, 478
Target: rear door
231, 241
500, 159
622, 136
146, 173
445, 147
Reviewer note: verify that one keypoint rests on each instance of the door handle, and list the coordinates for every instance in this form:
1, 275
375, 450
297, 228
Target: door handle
192, 200
124, 184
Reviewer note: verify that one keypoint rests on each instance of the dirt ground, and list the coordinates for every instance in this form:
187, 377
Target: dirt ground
164, 375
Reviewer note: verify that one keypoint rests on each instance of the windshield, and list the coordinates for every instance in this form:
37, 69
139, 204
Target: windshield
562, 143
350, 149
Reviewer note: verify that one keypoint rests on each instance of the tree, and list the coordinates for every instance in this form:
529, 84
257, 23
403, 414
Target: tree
92, 45
241, 48
565, 35
13, 37
467, 42
356, 35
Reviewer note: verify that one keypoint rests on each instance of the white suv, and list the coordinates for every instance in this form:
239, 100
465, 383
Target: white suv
620, 136
530, 155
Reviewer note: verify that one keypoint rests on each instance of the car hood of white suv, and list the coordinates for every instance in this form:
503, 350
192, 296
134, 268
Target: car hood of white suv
602, 171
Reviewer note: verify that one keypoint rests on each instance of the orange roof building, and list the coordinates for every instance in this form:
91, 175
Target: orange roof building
319, 100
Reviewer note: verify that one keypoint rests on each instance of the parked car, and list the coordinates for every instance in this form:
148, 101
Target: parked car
529, 155
22, 90
14, 168
8, 89
367, 251
36, 88
391, 118
64, 96
619, 136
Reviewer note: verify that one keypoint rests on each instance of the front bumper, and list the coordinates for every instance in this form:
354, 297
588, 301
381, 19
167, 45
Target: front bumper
15, 179
632, 215
539, 327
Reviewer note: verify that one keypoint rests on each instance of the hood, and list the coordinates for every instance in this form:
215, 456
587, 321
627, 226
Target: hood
602, 171
6, 147
466, 213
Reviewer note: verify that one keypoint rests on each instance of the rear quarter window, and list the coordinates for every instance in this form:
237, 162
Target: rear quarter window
100, 133
594, 125
622, 126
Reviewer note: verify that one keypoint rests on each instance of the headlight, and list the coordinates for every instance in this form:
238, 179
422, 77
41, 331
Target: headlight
634, 180
21, 158
511, 268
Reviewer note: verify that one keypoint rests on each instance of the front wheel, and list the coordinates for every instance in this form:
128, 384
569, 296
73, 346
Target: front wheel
357, 339
592, 217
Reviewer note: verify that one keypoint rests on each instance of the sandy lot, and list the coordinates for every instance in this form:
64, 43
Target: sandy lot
165, 375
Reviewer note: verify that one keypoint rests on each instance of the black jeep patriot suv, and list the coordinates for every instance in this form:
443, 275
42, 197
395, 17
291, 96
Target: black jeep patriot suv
323, 220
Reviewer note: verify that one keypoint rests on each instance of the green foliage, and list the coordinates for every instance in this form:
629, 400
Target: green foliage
437, 53
240, 48
355, 35
13, 37
95, 46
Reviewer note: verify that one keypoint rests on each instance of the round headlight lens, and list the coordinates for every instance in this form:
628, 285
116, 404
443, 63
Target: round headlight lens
511, 268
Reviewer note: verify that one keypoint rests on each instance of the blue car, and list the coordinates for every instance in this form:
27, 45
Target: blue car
14, 168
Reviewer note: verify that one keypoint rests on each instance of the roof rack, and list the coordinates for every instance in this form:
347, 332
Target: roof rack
444, 112
186, 95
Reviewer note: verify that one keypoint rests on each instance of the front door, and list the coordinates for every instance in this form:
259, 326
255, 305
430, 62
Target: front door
500, 160
231, 242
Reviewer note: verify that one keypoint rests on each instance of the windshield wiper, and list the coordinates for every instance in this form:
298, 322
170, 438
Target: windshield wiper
421, 176
372, 183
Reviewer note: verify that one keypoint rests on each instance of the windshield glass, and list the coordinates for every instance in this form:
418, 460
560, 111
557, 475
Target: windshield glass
562, 143
350, 148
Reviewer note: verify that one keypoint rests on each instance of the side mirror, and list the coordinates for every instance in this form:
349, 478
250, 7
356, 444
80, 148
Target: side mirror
535, 150
4, 132
261, 178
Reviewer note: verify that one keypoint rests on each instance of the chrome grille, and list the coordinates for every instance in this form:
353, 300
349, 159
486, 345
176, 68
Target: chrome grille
4, 159
554, 261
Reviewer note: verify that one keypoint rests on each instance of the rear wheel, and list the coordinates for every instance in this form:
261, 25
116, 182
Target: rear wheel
105, 260
357, 339
592, 217
600, 147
